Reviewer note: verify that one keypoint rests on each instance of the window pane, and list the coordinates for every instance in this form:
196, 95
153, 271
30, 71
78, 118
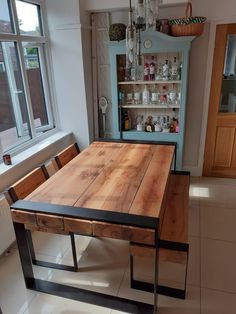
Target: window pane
14, 125
28, 18
5, 18
33, 55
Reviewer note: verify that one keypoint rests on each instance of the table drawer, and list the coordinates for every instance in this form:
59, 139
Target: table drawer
122, 232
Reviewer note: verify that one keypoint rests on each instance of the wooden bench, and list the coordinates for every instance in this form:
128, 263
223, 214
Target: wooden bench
173, 241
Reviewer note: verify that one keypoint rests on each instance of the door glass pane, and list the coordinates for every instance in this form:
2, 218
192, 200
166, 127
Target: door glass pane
228, 94
5, 18
34, 73
29, 18
14, 125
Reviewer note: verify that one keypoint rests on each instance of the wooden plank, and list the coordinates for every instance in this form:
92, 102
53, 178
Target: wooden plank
164, 254
68, 184
115, 188
132, 234
23, 217
150, 197
78, 226
175, 222
50, 221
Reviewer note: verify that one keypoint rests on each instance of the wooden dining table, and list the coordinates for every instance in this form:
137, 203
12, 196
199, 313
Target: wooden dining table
114, 189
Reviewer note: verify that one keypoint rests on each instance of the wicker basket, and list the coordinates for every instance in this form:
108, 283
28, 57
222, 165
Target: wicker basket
188, 26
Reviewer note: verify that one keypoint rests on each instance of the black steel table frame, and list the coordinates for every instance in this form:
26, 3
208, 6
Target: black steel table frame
78, 294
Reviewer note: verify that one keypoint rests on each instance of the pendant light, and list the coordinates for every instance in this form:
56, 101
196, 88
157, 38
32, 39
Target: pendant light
131, 47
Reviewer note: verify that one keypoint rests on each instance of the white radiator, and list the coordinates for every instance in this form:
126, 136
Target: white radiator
7, 235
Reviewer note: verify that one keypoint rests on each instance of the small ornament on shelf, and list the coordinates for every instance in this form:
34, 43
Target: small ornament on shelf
146, 71
152, 69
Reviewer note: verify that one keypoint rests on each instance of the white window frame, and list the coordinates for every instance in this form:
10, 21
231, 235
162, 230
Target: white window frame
42, 43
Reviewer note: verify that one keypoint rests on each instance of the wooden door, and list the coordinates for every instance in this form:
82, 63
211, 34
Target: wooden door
220, 147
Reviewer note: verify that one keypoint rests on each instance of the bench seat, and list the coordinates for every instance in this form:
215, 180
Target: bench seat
173, 243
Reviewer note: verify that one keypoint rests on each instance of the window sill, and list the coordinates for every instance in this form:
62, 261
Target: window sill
32, 157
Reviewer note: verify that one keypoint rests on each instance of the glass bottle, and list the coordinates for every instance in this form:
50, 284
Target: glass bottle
165, 71
137, 98
131, 48
163, 97
146, 96
174, 75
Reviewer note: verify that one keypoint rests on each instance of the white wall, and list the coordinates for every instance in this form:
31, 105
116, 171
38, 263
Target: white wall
200, 67
70, 47
68, 67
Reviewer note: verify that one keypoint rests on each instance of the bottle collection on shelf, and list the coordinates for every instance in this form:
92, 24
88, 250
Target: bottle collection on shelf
150, 95
162, 123
151, 70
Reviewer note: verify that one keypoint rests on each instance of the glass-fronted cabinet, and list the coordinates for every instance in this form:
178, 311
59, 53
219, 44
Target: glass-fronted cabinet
153, 106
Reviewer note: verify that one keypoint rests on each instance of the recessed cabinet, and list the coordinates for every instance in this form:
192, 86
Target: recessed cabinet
153, 106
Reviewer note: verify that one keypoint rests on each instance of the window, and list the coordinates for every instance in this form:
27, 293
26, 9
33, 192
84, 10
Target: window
25, 105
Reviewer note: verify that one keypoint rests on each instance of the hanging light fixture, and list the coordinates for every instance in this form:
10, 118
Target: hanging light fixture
152, 10
146, 14
131, 47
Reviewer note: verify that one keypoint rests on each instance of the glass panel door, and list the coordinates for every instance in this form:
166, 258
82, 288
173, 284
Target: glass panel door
228, 93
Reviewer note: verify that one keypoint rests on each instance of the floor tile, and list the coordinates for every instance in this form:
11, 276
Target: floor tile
218, 260
218, 223
50, 244
101, 267
14, 297
219, 193
48, 304
194, 191
166, 305
194, 221
217, 302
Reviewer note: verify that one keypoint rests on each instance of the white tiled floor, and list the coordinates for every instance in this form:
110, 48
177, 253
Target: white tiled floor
104, 264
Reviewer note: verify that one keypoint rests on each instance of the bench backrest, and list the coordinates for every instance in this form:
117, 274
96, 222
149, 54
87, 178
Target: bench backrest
66, 155
26, 185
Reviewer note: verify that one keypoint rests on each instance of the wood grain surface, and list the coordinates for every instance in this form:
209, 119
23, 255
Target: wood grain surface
121, 177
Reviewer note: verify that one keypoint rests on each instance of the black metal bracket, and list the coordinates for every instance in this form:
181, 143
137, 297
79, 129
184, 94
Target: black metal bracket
37, 262
88, 214
163, 290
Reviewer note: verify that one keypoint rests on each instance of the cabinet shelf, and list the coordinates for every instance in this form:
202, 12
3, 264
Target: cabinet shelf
150, 107
148, 82
143, 132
